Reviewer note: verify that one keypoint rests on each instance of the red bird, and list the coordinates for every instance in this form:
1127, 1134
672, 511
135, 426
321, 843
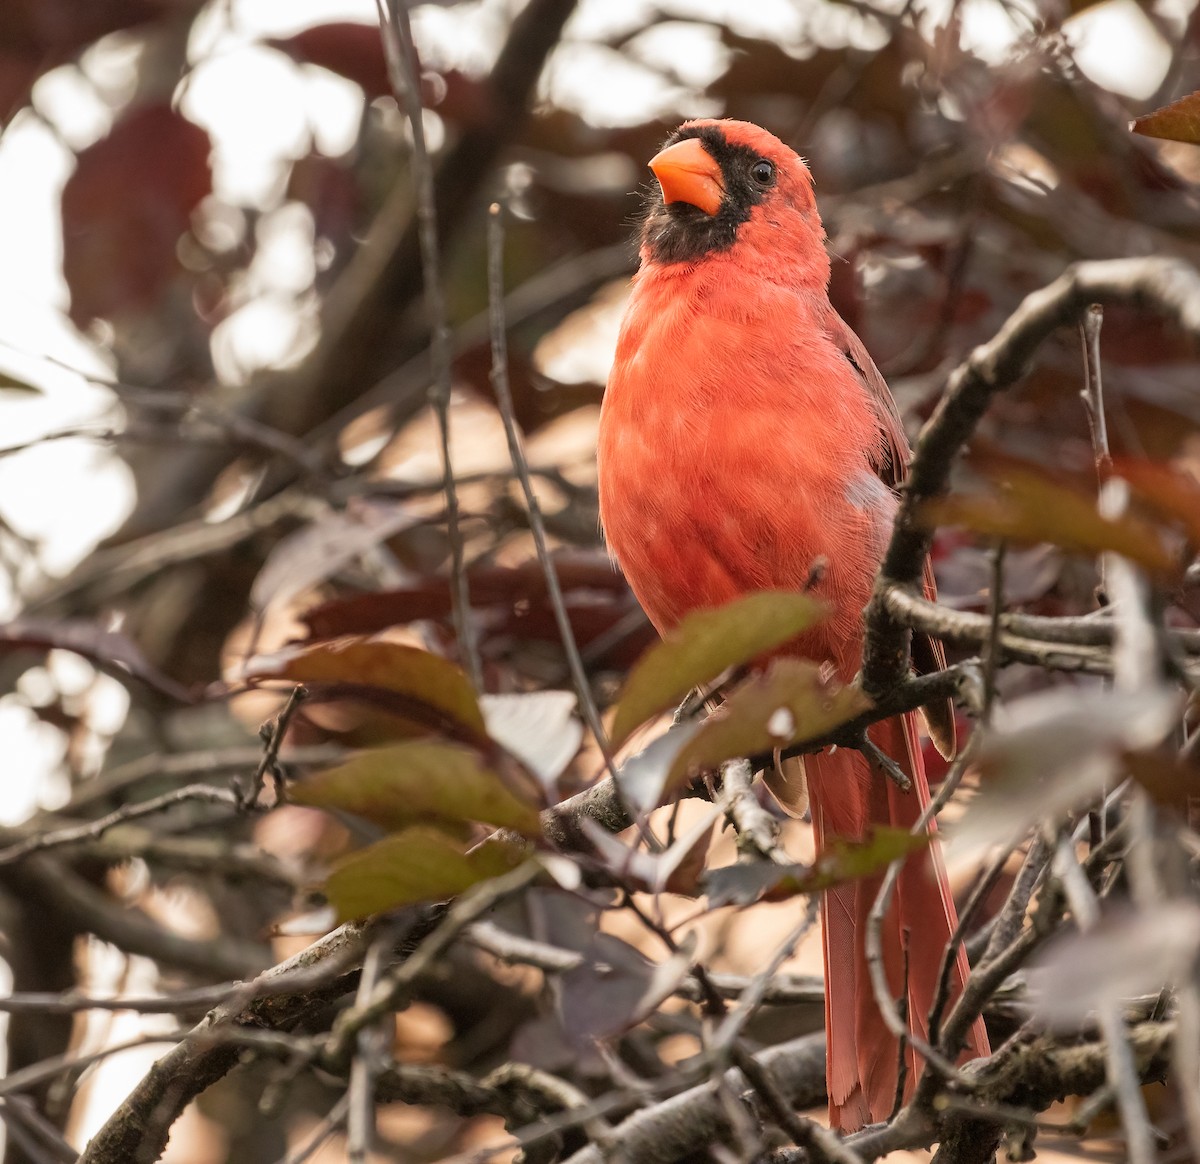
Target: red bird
748, 442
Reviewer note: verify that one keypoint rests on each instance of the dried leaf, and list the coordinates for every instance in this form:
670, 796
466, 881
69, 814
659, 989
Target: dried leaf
538, 727
1126, 954
786, 705
1171, 781
1179, 121
419, 864
705, 645
109, 650
840, 861
1034, 508
322, 547
615, 987
644, 775
421, 780
1052, 752
1170, 490
418, 687
350, 49
676, 869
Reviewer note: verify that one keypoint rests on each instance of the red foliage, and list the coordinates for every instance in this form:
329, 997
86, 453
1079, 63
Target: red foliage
125, 207
351, 50
37, 35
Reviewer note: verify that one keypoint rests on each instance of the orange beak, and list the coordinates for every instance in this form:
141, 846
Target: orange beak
687, 172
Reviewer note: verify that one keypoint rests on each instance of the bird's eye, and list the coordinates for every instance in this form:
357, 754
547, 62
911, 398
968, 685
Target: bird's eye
763, 172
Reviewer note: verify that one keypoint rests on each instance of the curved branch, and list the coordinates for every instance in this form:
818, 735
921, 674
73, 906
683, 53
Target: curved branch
1168, 286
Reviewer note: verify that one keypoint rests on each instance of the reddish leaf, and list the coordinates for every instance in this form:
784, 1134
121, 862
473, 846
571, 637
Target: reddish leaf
1179, 121
513, 606
37, 35
1171, 491
414, 685
328, 188
1172, 782
126, 206
351, 50
107, 649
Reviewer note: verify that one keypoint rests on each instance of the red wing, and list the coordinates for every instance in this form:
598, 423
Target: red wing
928, 653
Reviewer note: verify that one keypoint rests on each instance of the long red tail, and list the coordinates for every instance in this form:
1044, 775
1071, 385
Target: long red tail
847, 798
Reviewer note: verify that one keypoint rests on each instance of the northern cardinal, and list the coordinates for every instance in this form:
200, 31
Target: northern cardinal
747, 442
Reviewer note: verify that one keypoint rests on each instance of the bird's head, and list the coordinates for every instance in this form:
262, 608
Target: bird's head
729, 184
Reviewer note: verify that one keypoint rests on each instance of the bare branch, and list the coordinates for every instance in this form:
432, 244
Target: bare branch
1166, 285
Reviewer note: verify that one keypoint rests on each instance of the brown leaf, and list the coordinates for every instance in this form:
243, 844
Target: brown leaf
1033, 507
417, 687
322, 547
1179, 121
706, 644
1171, 781
350, 49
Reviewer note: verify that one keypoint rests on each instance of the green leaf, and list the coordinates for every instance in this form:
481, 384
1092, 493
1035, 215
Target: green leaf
416, 687
419, 864
1179, 121
421, 780
11, 383
786, 705
704, 645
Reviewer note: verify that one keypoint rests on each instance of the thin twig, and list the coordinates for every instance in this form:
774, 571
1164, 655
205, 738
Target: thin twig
404, 76
372, 1041
979, 892
1121, 1069
874, 936
1166, 284
991, 647
537, 525
392, 986
1093, 388
192, 793
756, 828
334, 1119
273, 735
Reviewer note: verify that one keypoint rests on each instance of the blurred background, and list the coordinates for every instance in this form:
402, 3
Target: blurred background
215, 429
